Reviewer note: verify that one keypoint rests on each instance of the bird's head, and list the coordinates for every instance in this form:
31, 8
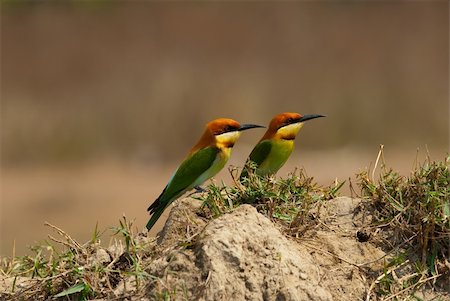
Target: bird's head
286, 125
226, 131
222, 132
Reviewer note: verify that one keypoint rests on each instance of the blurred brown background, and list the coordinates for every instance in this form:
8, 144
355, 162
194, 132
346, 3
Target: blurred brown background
100, 101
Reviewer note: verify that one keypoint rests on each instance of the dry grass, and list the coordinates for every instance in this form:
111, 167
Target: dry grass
80, 271
289, 202
410, 221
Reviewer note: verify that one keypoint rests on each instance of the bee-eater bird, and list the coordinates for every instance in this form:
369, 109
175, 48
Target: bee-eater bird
277, 144
204, 161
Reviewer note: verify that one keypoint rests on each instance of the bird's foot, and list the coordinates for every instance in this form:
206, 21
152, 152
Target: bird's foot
199, 189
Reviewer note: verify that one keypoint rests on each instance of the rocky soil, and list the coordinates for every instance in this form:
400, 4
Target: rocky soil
243, 255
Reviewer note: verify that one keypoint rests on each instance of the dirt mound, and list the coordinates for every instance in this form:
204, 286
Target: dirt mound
342, 259
244, 256
241, 255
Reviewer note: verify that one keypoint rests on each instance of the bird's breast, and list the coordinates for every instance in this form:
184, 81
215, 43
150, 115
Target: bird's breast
221, 159
283, 148
279, 153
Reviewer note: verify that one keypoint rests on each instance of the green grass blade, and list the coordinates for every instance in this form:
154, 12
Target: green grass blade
77, 288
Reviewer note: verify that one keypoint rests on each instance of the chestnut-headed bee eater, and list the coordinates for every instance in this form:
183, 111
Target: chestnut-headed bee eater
277, 144
204, 161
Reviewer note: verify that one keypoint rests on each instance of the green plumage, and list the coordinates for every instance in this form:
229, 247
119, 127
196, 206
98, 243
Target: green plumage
268, 156
261, 152
192, 172
257, 156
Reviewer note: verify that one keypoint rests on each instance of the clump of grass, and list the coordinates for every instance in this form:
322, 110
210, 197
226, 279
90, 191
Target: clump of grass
287, 201
413, 216
78, 272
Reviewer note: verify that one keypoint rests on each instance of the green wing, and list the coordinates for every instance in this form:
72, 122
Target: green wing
183, 178
257, 156
260, 152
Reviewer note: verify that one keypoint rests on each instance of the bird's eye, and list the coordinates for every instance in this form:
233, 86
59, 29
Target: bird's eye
226, 129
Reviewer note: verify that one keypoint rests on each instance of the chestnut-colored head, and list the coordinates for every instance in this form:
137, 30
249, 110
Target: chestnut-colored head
222, 125
222, 132
287, 125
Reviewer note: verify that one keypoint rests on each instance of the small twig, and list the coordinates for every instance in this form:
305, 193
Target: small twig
208, 278
237, 183
69, 239
369, 291
353, 192
108, 283
412, 285
380, 152
109, 266
390, 222
60, 241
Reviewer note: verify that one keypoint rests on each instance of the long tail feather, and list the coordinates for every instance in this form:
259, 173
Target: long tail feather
157, 202
155, 216
160, 204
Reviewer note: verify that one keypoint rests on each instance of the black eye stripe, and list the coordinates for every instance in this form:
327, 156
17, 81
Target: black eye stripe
228, 128
289, 121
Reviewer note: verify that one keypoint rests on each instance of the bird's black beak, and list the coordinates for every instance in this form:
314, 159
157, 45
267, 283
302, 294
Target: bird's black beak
309, 117
249, 126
